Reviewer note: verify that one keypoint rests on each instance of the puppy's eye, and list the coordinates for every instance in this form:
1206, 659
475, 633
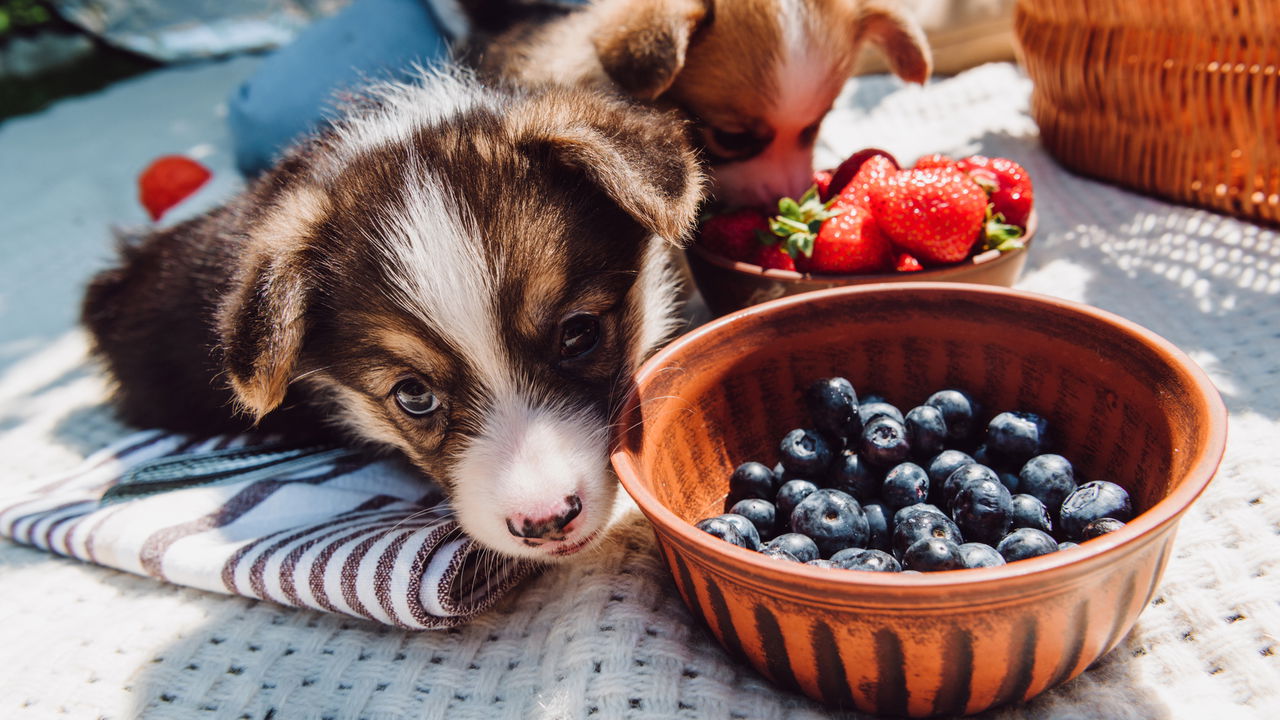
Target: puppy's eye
415, 398
579, 335
734, 141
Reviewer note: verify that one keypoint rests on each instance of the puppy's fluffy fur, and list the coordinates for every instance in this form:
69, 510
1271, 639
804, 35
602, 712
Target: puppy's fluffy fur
495, 256
756, 76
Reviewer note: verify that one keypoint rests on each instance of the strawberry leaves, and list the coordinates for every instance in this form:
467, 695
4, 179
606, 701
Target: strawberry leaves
797, 222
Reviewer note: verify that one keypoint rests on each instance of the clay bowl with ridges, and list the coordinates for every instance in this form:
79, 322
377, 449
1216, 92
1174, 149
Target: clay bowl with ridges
729, 285
1125, 406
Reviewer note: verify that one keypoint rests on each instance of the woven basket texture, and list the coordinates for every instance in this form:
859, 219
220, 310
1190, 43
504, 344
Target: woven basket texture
1179, 99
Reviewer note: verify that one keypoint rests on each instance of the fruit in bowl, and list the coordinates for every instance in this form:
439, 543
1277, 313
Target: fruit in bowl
869, 220
1121, 404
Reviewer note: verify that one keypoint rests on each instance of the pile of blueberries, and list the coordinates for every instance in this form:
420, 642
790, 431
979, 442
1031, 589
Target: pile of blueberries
869, 488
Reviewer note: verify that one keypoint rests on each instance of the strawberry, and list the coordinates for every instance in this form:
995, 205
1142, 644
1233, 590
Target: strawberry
850, 167
168, 181
850, 242
735, 235
823, 239
906, 262
857, 191
935, 160
822, 181
1006, 182
935, 214
774, 257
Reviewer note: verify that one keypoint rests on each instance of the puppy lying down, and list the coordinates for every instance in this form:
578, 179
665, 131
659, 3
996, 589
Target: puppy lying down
465, 274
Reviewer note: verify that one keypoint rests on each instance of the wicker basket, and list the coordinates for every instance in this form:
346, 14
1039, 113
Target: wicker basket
1178, 98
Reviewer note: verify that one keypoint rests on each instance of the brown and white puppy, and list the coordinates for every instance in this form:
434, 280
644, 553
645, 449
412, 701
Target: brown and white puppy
756, 76
467, 275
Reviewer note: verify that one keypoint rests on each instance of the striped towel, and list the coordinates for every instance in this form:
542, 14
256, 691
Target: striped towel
324, 528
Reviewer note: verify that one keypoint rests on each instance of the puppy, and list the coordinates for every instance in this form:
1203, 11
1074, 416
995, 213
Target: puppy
756, 77
466, 275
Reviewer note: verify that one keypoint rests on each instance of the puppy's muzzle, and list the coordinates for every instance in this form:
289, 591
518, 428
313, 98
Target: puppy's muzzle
535, 530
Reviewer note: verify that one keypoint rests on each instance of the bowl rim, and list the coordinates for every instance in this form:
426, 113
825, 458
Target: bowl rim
1143, 529
987, 258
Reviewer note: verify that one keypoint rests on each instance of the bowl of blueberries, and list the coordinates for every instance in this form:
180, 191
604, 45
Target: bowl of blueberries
921, 498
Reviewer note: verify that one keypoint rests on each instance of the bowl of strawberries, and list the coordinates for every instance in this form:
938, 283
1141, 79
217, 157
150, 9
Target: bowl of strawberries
872, 221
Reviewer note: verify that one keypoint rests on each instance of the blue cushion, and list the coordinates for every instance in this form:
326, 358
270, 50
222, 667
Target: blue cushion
293, 89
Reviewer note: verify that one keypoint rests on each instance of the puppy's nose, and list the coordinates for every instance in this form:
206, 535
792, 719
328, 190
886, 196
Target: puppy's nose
547, 527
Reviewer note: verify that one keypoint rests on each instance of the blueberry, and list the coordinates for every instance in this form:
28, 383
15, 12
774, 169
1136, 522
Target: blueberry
932, 554
921, 525
912, 509
790, 495
746, 528
1090, 501
1067, 545
1100, 527
870, 560
850, 474
983, 510
1029, 512
1009, 480
926, 430
762, 513
959, 411
751, 480
979, 555
822, 563
1017, 436
872, 409
879, 526
801, 546
777, 553
833, 406
1048, 477
884, 442
941, 467
724, 530
834, 520
906, 484
965, 474
805, 453
1026, 543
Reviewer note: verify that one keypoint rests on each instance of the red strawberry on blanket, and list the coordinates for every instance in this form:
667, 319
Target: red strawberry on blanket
735, 235
935, 214
169, 180
1007, 183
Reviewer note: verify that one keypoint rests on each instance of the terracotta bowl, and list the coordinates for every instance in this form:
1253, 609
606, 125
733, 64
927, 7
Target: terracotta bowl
729, 285
1125, 405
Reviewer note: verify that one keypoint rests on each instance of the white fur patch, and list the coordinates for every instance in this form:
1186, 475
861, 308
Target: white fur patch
398, 110
434, 279
529, 457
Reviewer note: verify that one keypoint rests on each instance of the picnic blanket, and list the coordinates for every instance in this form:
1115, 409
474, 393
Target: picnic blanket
325, 528
606, 635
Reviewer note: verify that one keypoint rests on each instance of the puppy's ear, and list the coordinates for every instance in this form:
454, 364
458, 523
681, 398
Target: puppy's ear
262, 320
898, 35
641, 43
638, 158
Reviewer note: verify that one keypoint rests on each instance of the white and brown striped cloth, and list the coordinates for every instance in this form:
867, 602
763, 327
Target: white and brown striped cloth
324, 528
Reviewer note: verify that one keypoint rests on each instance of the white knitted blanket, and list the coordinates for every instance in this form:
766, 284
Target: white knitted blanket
605, 636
